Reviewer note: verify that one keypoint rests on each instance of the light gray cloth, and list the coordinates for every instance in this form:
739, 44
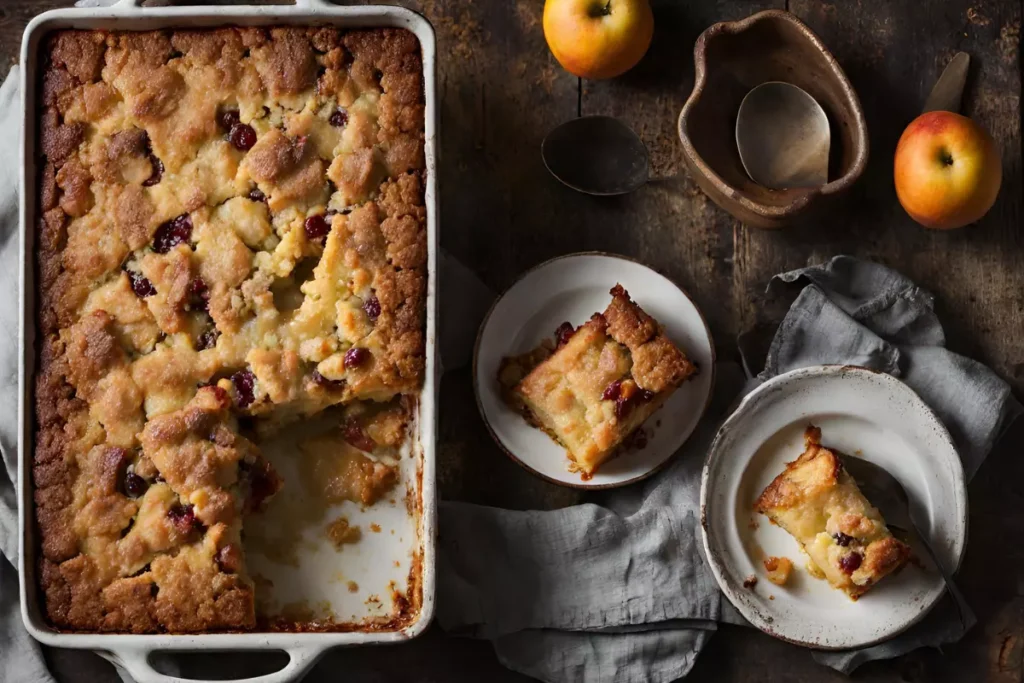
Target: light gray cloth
548, 588
612, 591
20, 656
863, 313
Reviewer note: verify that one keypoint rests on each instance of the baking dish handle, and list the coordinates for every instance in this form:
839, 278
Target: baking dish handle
136, 663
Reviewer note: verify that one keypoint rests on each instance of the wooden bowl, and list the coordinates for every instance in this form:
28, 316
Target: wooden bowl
730, 59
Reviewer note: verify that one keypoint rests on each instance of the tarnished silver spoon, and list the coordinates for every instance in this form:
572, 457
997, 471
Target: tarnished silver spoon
783, 137
782, 134
597, 155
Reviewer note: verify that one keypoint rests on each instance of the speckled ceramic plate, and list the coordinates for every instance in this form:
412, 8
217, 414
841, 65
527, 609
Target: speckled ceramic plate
572, 288
860, 412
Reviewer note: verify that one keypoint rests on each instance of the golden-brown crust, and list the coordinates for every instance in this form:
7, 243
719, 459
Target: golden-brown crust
286, 61
820, 505
885, 556
133, 216
57, 139
657, 363
818, 469
80, 53
76, 191
603, 382
133, 152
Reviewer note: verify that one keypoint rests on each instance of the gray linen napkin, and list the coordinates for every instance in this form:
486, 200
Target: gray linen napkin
20, 656
621, 592
863, 313
612, 592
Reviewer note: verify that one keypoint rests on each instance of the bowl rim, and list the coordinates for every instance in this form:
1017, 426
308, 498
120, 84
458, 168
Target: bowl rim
700, 166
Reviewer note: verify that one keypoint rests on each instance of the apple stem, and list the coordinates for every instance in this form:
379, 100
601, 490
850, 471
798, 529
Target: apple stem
945, 157
600, 9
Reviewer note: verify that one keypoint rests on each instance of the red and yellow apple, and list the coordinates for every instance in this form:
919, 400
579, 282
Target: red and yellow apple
947, 170
598, 38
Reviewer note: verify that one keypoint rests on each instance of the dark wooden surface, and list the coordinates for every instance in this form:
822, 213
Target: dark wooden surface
501, 91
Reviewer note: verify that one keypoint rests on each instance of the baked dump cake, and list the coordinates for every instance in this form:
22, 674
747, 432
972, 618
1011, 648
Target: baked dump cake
819, 503
232, 237
600, 382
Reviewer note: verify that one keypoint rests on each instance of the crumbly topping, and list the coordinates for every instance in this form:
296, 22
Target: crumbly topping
657, 363
232, 224
599, 383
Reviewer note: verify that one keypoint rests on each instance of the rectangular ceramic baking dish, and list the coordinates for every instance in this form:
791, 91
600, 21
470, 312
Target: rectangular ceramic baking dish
303, 648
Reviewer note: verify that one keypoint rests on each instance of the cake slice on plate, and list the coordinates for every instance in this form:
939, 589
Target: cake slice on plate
820, 505
602, 381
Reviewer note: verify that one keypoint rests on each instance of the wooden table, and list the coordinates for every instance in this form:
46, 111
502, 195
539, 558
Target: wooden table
501, 91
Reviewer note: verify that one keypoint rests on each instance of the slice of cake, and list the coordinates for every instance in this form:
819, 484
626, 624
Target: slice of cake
603, 380
819, 503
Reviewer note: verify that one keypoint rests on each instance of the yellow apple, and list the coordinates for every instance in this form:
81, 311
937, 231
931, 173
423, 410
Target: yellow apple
947, 170
598, 38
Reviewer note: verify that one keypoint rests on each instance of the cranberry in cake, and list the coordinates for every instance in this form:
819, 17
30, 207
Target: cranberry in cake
232, 234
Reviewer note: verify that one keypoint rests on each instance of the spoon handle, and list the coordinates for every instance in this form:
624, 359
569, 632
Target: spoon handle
962, 608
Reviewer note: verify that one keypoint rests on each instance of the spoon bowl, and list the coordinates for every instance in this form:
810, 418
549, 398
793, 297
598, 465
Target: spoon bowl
730, 59
783, 137
596, 155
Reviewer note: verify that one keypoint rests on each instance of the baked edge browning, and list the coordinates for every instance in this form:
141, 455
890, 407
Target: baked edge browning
658, 364
783, 493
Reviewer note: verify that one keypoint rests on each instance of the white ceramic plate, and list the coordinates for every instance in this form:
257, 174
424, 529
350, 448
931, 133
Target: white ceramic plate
860, 412
572, 288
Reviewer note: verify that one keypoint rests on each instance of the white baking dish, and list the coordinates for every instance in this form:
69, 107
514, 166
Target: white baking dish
133, 651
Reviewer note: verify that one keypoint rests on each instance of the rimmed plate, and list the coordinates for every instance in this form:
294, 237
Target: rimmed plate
860, 412
572, 288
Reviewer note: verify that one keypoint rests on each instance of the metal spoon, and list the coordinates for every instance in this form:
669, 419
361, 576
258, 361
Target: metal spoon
597, 155
886, 493
783, 137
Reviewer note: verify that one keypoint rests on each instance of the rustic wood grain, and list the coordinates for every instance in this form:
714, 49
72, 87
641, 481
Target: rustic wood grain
501, 92
670, 224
